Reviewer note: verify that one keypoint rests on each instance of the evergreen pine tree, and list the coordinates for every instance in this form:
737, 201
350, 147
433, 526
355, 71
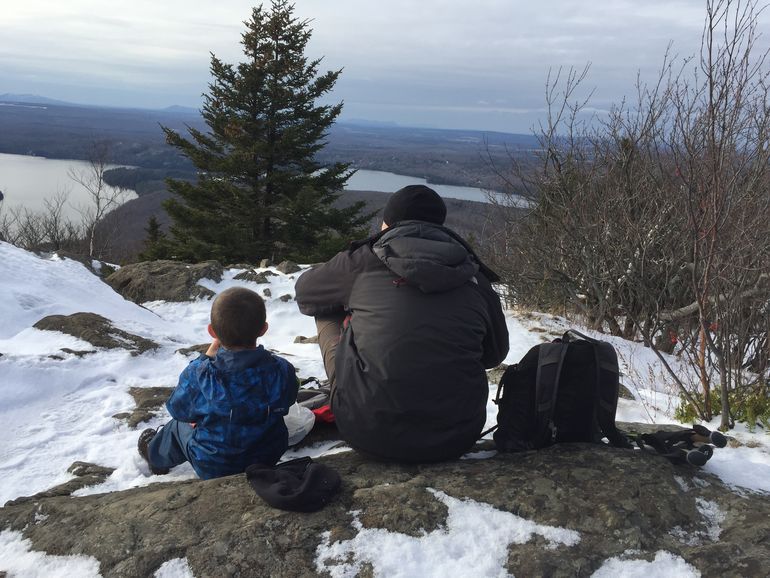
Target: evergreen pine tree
260, 192
155, 244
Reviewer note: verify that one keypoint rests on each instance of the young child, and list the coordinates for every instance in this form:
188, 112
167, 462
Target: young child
229, 404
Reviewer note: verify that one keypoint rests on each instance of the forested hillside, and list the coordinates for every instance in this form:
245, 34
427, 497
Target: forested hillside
457, 157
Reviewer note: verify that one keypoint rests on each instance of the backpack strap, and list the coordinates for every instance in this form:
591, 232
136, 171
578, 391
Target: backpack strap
607, 384
549, 365
498, 395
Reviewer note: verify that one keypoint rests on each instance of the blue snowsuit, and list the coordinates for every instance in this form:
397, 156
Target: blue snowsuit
237, 401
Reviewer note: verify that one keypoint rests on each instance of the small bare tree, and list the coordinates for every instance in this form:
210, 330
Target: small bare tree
46, 229
102, 197
58, 230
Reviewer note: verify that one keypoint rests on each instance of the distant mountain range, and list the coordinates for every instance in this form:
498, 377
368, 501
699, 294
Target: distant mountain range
31, 99
181, 109
176, 110
36, 99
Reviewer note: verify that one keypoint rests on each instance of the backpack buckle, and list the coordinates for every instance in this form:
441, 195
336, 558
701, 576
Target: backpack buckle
554, 431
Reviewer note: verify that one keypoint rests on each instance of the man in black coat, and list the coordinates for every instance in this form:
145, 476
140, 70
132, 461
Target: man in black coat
407, 322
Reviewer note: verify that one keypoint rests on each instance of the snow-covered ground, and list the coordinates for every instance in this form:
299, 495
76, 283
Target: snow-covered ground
58, 410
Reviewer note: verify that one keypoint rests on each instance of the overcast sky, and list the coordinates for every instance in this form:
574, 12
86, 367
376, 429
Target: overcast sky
478, 64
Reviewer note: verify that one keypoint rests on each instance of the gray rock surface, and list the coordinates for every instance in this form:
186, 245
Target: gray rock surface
75, 352
617, 500
194, 349
254, 276
164, 280
288, 267
149, 401
96, 330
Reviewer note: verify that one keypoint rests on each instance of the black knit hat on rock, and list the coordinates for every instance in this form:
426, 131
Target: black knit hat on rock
299, 485
415, 203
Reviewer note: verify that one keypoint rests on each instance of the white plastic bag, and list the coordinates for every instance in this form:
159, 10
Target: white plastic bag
299, 421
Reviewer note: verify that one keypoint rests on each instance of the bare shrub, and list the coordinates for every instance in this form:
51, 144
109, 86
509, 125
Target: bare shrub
651, 221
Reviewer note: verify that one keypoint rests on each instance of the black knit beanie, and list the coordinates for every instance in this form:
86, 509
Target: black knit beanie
299, 485
415, 203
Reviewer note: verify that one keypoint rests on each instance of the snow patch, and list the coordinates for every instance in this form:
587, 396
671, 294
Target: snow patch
742, 468
682, 483
483, 455
476, 537
316, 450
18, 559
175, 568
713, 516
665, 565
712, 519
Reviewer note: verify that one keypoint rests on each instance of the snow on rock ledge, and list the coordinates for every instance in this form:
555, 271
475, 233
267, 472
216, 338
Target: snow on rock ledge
563, 511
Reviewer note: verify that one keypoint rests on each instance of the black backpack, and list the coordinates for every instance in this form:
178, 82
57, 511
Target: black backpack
565, 391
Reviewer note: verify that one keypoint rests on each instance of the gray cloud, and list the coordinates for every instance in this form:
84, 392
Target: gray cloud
480, 64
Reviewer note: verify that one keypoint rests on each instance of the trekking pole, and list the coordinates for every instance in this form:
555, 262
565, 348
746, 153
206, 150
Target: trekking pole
493, 428
681, 451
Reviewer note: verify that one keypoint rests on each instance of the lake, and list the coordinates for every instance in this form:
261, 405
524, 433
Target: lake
385, 182
27, 181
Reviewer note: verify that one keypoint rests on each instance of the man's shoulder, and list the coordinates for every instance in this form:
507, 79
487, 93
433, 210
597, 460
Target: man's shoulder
353, 260
357, 252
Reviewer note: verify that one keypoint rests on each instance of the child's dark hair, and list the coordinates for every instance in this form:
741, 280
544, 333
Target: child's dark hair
237, 317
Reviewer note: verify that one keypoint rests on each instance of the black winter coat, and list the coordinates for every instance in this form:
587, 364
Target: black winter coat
425, 323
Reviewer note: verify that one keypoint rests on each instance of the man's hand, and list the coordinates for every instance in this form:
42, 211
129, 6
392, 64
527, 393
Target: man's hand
213, 348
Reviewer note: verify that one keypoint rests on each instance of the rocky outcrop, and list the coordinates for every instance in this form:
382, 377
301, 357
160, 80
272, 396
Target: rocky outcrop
96, 330
98, 268
164, 280
254, 276
85, 475
194, 349
149, 401
615, 501
288, 267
